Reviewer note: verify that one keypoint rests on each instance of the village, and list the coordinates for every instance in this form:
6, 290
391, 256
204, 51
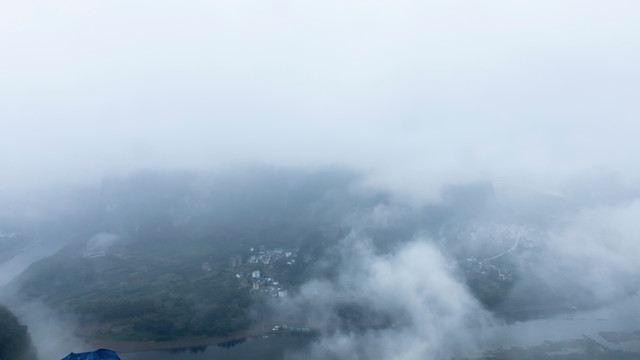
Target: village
522, 239
485, 268
255, 273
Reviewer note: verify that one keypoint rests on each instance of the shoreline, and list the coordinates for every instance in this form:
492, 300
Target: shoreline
132, 346
124, 346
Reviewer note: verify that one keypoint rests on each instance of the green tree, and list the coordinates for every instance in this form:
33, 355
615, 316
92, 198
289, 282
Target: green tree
15, 343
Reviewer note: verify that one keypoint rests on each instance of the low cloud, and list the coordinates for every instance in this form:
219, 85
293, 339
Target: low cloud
408, 304
598, 250
99, 243
53, 334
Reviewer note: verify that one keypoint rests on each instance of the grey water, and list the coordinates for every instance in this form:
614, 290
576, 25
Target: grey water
273, 347
623, 316
11, 268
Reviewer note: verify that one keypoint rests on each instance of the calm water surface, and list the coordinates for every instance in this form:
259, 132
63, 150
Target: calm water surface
274, 347
621, 317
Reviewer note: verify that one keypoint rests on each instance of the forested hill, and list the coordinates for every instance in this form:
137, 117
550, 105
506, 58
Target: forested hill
148, 254
134, 269
15, 343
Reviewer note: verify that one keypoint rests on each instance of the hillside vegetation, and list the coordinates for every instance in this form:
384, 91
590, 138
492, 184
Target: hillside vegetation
15, 343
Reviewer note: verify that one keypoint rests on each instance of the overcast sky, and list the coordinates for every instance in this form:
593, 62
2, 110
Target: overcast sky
527, 94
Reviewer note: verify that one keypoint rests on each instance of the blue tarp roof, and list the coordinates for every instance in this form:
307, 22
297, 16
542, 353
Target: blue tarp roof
102, 354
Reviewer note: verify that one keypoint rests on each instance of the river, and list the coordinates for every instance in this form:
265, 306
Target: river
622, 317
272, 347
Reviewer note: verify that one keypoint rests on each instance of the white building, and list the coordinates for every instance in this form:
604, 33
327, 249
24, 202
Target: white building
255, 274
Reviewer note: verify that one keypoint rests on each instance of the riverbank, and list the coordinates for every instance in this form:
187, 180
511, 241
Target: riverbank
123, 347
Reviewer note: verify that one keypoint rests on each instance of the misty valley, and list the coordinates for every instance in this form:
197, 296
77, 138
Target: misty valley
341, 180
288, 262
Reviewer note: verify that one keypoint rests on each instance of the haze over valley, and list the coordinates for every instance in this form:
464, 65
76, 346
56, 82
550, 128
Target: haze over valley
359, 180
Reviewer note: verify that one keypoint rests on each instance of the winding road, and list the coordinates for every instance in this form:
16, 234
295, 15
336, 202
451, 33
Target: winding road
515, 245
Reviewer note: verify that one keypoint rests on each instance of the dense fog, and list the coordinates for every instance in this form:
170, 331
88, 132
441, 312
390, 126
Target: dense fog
400, 179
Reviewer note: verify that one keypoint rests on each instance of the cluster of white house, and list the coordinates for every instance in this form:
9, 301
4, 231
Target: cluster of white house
267, 257
266, 285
